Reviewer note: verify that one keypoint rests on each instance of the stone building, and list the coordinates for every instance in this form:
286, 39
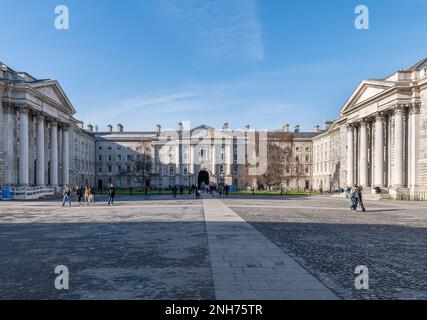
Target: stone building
37, 123
379, 140
381, 136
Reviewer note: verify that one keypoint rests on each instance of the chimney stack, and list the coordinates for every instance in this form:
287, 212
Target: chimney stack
96, 128
159, 129
226, 126
120, 128
90, 128
248, 127
286, 127
180, 126
317, 128
297, 128
110, 128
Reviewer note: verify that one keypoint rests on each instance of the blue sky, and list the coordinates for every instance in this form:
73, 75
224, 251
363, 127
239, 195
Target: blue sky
257, 62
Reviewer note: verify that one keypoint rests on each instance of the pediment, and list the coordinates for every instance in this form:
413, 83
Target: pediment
205, 131
366, 91
54, 92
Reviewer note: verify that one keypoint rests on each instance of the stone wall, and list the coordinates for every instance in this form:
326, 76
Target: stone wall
2, 160
422, 149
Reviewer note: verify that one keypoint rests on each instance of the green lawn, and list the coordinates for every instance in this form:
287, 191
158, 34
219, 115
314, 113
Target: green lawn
154, 192
273, 193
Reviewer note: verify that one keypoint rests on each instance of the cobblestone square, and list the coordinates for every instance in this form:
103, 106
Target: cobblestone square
234, 248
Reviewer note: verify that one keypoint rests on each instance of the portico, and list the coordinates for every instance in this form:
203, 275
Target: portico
381, 141
33, 112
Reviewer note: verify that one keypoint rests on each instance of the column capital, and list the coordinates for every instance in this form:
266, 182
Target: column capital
399, 109
380, 116
415, 108
23, 107
350, 126
8, 107
53, 122
64, 126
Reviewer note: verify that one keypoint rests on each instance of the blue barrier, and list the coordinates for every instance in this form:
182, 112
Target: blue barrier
6, 194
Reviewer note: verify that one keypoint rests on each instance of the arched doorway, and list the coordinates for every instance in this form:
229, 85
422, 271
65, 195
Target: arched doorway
203, 178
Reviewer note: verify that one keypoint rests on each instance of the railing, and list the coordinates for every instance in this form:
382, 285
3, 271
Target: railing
411, 196
31, 193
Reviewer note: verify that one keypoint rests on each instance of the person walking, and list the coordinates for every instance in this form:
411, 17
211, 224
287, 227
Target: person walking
147, 192
79, 195
92, 195
111, 194
354, 199
66, 193
360, 198
86, 195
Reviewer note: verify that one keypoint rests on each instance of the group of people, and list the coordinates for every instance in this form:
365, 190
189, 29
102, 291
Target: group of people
82, 193
356, 198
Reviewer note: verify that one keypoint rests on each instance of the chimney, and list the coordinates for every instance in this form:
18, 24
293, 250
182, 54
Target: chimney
90, 127
226, 126
286, 127
248, 127
110, 128
297, 128
120, 128
180, 127
159, 129
96, 128
328, 124
317, 128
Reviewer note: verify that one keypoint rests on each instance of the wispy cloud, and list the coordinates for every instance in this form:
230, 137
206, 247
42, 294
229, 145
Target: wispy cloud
223, 28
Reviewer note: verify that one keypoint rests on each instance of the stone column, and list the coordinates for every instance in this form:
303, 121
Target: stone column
9, 118
65, 155
379, 150
398, 147
350, 155
23, 146
364, 154
229, 171
214, 158
414, 121
40, 161
54, 153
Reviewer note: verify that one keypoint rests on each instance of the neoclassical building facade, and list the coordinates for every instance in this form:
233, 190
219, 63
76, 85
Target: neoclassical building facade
379, 140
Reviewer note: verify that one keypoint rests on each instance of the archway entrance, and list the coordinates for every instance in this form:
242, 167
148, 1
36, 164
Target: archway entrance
203, 178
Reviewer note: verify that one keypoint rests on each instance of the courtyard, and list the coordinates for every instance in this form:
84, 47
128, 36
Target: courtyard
241, 247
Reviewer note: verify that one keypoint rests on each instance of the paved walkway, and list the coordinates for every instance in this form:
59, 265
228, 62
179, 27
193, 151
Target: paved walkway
246, 265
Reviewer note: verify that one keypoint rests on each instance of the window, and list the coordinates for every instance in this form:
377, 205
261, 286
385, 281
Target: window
307, 158
99, 148
100, 158
171, 170
298, 149
308, 149
119, 158
109, 169
129, 157
109, 148
128, 169
185, 171
100, 169
109, 158
119, 169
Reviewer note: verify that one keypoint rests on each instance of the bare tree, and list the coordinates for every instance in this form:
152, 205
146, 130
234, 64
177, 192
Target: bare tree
282, 167
139, 166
